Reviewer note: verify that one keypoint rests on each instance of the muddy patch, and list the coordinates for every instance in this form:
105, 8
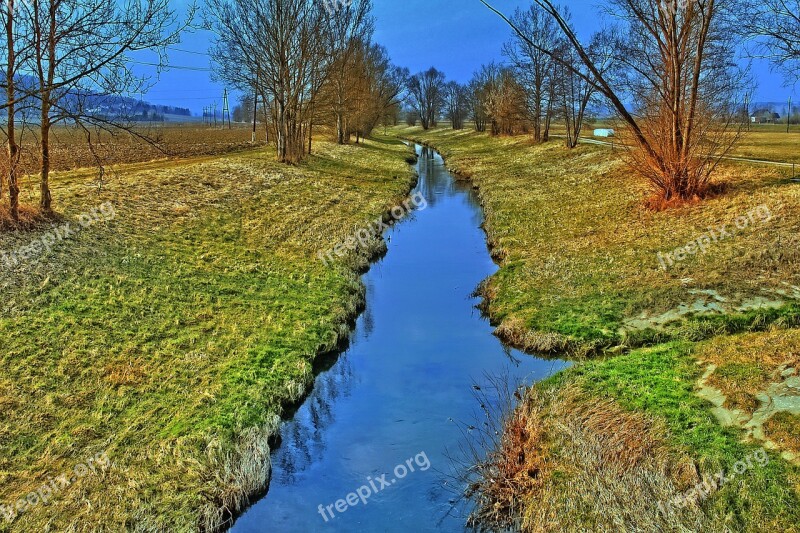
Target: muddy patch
702, 302
780, 397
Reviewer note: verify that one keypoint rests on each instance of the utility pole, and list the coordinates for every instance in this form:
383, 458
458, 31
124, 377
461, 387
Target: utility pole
215, 114
255, 114
789, 115
747, 118
226, 109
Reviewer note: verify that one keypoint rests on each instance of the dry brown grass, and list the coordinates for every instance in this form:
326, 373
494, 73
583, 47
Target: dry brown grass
516, 467
784, 430
567, 462
30, 218
613, 468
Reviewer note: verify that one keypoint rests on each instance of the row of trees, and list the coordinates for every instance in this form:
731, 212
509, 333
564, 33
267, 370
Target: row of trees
669, 71
306, 65
59, 54
504, 99
544, 81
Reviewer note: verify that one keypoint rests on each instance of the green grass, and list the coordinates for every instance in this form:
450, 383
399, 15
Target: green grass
660, 382
172, 336
578, 251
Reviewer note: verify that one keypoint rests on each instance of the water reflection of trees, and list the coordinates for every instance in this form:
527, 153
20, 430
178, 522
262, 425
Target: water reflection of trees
367, 322
303, 436
435, 182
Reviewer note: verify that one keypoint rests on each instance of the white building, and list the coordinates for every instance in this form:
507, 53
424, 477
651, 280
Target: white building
603, 132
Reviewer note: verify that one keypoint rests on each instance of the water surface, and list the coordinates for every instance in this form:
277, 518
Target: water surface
402, 393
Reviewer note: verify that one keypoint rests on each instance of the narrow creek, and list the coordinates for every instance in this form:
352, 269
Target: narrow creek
401, 394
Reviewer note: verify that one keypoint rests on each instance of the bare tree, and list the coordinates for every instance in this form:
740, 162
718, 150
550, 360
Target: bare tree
349, 28
479, 88
457, 104
373, 88
576, 87
680, 74
534, 66
15, 50
279, 46
506, 103
426, 95
775, 27
80, 51
11, 66
383, 88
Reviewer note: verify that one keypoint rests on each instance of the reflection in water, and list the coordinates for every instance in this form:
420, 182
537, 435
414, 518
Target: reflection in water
405, 384
368, 318
303, 436
435, 184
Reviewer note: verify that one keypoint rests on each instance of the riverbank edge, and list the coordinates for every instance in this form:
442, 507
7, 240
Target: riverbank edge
514, 441
554, 344
250, 457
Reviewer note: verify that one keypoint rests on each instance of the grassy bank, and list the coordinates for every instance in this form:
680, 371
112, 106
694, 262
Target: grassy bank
639, 440
627, 444
584, 266
170, 336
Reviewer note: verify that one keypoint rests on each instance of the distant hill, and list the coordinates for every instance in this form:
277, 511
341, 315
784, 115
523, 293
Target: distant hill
104, 106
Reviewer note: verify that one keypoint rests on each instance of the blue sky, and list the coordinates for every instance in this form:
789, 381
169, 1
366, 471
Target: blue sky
456, 36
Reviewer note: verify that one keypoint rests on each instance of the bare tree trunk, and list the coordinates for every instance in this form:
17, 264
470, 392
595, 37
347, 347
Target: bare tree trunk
281, 131
537, 116
340, 127
548, 119
310, 132
45, 199
13, 148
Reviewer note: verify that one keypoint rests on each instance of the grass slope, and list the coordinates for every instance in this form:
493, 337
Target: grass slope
622, 442
171, 337
579, 254
681, 447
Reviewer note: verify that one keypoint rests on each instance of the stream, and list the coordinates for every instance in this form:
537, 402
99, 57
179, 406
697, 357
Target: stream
388, 414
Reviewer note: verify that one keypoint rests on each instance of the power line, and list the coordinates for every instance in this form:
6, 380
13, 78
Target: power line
178, 97
169, 66
187, 51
